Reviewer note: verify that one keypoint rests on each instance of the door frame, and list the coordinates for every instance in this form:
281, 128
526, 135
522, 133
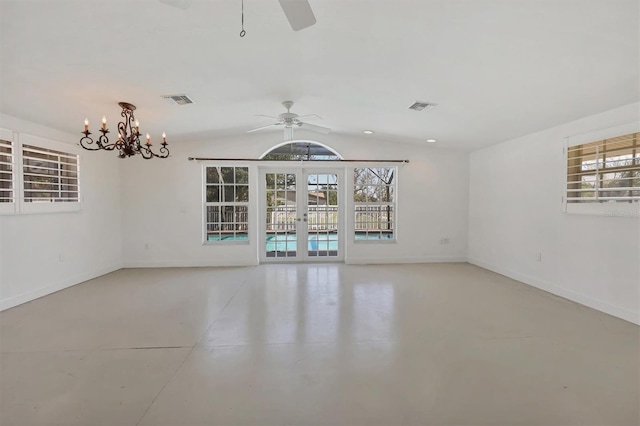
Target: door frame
301, 172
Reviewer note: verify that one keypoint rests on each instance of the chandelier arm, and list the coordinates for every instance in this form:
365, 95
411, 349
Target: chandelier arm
146, 152
101, 143
164, 151
87, 142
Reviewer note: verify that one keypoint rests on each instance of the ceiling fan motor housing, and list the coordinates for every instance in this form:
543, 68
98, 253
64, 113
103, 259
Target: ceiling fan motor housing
289, 118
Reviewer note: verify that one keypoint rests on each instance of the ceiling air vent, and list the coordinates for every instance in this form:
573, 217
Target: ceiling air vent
178, 99
421, 106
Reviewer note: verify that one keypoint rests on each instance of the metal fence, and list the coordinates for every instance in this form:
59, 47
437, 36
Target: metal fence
373, 217
319, 218
284, 218
227, 218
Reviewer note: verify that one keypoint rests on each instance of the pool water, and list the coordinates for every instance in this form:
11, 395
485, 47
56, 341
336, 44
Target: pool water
288, 242
319, 242
316, 242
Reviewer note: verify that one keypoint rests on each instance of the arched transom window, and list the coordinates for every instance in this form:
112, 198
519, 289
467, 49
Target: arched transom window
301, 150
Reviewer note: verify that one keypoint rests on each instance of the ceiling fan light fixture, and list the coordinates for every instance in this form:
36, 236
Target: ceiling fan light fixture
288, 120
432, 140
367, 132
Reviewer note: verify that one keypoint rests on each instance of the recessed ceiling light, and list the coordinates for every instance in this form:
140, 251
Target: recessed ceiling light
431, 140
367, 132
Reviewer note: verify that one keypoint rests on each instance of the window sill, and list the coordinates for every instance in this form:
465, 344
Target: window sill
616, 209
387, 241
227, 243
35, 208
40, 208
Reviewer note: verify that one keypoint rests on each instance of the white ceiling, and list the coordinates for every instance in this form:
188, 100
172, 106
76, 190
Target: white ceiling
497, 68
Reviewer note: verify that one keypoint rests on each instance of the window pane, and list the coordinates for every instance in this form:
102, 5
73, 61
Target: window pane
228, 174
603, 171
228, 193
374, 194
212, 175
213, 193
242, 193
227, 219
6, 196
49, 175
301, 151
242, 175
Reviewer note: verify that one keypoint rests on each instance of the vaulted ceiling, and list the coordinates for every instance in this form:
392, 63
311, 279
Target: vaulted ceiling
497, 69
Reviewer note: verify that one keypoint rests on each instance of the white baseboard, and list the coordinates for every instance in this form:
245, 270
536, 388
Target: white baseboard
390, 260
600, 305
189, 263
52, 288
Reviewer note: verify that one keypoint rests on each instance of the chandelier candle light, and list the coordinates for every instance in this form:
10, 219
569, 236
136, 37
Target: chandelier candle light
128, 143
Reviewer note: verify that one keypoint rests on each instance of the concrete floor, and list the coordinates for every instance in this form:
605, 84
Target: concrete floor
315, 344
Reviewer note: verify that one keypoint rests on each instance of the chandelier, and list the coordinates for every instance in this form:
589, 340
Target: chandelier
128, 143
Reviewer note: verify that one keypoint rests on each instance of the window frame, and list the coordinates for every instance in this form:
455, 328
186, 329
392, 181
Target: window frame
20, 206
393, 203
611, 208
47, 207
12, 206
221, 203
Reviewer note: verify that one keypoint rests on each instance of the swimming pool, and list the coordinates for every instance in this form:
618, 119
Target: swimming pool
316, 241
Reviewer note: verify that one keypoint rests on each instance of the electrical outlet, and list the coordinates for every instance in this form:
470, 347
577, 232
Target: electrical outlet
61, 257
444, 240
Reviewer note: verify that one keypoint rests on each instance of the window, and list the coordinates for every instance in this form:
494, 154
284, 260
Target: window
605, 171
49, 175
374, 199
37, 175
7, 191
301, 151
226, 204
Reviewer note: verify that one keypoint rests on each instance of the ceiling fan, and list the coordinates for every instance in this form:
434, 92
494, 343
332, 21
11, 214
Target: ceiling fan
289, 120
298, 12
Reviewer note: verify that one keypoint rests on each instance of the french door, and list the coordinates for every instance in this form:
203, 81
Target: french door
301, 215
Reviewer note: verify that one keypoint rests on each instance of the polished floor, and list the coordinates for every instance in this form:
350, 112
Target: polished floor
441, 344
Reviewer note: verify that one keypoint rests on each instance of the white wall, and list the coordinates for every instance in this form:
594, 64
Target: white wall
515, 213
162, 212
89, 240
149, 213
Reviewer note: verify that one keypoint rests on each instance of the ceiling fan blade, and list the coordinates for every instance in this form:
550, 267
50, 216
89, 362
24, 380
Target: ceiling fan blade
269, 116
298, 13
264, 127
180, 4
315, 128
310, 115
